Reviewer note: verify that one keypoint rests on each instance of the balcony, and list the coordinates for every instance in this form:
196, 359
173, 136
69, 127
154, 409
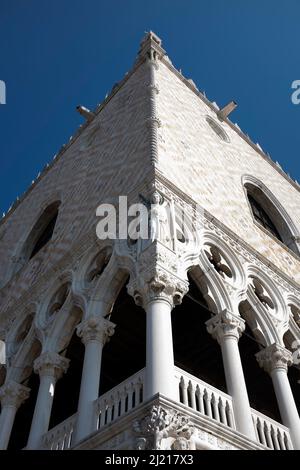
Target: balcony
112, 405
208, 406
217, 405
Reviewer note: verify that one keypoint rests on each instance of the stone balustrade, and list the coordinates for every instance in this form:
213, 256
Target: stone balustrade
193, 393
204, 398
60, 437
270, 433
120, 400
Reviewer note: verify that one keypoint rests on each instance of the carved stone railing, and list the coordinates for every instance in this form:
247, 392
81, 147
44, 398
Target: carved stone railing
204, 398
193, 392
120, 400
60, 437
270, 433
110, 406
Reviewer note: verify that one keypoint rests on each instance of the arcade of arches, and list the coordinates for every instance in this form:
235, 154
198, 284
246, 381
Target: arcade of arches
125, 354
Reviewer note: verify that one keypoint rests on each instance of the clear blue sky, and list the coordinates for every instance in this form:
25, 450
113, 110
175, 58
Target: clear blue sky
59, 53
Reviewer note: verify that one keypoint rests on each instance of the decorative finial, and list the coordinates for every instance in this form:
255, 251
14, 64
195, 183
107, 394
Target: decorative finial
150, 41
151, 36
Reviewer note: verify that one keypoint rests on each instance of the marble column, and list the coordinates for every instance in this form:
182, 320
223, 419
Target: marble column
227, 328
275, 360
50, 366
158, 296
12, 395
95, 331
159, 350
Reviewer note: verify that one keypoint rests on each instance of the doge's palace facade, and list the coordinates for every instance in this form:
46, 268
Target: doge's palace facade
193, 335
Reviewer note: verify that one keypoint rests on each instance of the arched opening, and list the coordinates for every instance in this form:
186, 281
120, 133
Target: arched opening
42, 231
58, 299
67, 388
39, 236
261, 216
24, 415
21, 334
270, 215
195, 351
97, 266
259, 384
125, 353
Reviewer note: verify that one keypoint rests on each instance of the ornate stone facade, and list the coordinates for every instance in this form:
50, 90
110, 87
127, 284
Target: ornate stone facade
153, 140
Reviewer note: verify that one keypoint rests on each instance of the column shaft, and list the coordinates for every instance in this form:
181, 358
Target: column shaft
159, 351
236, 386
275, 359
12, 395
89, 390
7, 418
95, 332
42, 411
227, 329
50, 366
286, 404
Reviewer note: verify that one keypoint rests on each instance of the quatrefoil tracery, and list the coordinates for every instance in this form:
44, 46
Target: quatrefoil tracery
218, 261
262, 294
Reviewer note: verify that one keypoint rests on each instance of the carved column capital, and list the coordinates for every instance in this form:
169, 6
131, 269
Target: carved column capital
51, 364
225, 324
95, 328
274, 357
161, 286
13, 394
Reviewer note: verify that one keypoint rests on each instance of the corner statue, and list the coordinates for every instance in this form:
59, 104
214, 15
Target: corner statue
159, 220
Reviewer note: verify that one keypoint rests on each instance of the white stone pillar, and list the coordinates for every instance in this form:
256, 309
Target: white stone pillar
227, 329
12, 395
158, 296
94, 332
159, 350
50, 367
275, 360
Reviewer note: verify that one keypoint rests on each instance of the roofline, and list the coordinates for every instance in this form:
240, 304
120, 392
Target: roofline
153, 41
244, 136
71, 141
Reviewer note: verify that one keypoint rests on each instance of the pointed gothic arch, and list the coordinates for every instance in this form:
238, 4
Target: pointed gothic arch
195, 350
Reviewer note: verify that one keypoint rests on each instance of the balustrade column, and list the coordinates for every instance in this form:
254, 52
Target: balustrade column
227, 328
275, 360
12, 395
50, 366
95, 332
